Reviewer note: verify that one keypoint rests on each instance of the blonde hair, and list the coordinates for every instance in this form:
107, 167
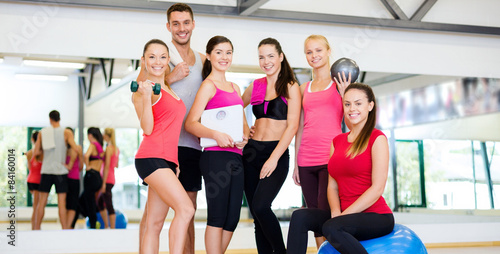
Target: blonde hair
319, 38
110, 132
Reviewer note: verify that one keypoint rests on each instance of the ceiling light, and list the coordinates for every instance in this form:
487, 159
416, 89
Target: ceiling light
41, 77
1, 60
51, 64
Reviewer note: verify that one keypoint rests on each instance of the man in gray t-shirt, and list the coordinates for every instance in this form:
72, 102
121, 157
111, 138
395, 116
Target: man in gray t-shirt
53, 140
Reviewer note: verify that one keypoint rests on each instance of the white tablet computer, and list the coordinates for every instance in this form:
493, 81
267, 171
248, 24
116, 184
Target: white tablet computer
226, 119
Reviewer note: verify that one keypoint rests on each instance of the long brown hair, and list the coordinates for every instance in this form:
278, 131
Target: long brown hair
214, 41
159, 42
286, 75
361, 142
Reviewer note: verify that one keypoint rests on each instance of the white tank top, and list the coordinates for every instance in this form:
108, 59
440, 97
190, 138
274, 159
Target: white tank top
186, 89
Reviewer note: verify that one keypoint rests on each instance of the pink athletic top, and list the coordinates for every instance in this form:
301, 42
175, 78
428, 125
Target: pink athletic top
224, 99
168, 113
354, 176
99, 149
323, 113
74, 173
112, 165
35, 168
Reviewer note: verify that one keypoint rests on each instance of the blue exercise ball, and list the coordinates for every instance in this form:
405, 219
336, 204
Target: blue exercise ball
121, 220
400, 240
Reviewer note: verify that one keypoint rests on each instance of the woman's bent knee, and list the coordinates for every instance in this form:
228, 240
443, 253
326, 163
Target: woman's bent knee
186, 212
331, 228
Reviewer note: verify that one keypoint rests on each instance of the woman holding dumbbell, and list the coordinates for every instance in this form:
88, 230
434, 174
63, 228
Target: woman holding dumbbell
156, 160
320, 122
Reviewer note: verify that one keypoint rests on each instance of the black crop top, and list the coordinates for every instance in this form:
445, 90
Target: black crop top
276, 109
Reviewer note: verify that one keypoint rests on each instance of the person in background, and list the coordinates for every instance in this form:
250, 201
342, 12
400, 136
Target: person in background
92, 181
358, 170
52, 142
225, 159
34, 175
105, 202
74, 163
276, 105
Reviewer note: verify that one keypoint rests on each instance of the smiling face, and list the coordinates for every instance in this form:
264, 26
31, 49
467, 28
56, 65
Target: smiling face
221, 56
181, 25
156, 59
317, 53
269, 59
356, 106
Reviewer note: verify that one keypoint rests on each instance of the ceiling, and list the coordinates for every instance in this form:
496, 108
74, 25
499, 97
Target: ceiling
426, 15
477, 17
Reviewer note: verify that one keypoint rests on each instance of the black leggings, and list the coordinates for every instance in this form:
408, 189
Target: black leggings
260, 193
314, 182
343, 232
106, 200
92, 182
223, 176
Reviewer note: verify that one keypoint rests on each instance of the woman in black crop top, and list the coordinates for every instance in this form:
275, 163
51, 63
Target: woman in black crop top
92, 180
276, 106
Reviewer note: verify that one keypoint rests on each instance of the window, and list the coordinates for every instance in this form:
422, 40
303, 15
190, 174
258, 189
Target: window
10, 140
449, 174
409, 173
128, 192
493, 151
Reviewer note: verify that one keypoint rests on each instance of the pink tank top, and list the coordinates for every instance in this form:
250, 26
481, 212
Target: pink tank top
34, 175
323, 114
112, 165
168, 114
224, 99
74, 173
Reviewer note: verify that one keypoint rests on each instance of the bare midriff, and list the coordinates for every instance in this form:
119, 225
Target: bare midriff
267, 129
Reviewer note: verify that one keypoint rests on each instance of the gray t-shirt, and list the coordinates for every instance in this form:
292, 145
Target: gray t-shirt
186, 89
55, 158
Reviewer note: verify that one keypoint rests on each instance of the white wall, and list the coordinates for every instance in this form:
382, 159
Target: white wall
90, 32
482, 128
28, 103
116, 110
60, 30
